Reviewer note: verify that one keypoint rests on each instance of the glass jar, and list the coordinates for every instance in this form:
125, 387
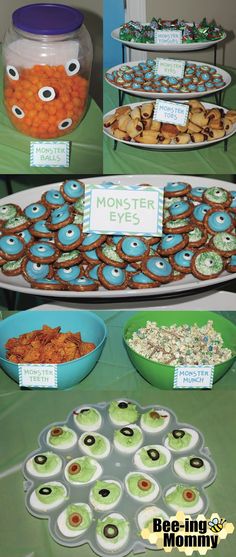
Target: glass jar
47, 57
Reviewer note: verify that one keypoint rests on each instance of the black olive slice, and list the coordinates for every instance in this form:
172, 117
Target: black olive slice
45, 491
123, 405
127, 431
196, 462
89, 440
110, 531
153, 454
84, 410
178, 433
104, 492
40, 459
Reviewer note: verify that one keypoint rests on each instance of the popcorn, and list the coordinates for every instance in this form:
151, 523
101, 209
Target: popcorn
180, 344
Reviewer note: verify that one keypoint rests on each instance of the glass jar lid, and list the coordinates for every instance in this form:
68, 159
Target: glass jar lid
47, 19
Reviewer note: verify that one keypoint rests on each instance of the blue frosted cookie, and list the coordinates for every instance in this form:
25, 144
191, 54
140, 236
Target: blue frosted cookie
176, 189
41, 252
196, 193
11, 247
181, 209
181, 261
60, 217
36, 211
67, 274
72, 190
157, 268
132, 248
141, 280
83, 284
69, 237
171, 243
52, 199
112, 278
34, 272
40, 229
200, 212
218, 221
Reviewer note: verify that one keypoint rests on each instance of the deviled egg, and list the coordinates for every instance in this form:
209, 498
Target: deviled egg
184, 498
105, 495
180, 440
122, 412
112, 532
146, 516
192, 468
155, 420
94, 444
87, 418
82, 470
128, 439
61, 437
152, 457
141, 486
75, 520
44, 464
48, 496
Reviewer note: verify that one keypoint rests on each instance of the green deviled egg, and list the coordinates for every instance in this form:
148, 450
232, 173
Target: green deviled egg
75, 520
146, 516
112, 532
141, 487
82, 470
180, 440
47, 496
192, 468
184, 498
128, 439
44, 464
155, 420
88, 419
122, 412
105, 495
61, 437
95, 444
152, 457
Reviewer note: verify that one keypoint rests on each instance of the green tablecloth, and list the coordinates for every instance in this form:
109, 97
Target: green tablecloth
24, 414
86, 145
207, 160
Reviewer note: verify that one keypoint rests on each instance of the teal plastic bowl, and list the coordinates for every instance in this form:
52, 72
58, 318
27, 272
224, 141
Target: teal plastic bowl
91, 327
162, 375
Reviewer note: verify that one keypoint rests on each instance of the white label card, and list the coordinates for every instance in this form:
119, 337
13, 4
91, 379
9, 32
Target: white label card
170, 68
193, 377
50, 153
167, 37
38, 375
122, 210
171, 113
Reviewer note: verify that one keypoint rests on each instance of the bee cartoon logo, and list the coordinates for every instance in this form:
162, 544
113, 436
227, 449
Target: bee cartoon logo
216, 525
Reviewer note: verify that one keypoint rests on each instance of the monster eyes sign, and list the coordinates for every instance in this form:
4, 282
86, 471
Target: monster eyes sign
112, 209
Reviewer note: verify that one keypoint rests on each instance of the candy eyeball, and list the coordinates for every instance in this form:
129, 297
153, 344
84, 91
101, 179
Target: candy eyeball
70, 233
46, 94
159, 264
12, 72
11, 241
72, 67
18, 112
64, 124
220, 219
115, 272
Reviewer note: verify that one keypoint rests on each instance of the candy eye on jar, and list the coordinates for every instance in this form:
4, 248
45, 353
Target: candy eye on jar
47, 56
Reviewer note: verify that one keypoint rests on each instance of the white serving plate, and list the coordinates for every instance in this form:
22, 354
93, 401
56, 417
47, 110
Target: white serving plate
165, 48
171, 146
18, 284
152, 95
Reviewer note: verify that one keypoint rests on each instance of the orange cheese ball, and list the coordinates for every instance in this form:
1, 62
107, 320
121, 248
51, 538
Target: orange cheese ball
45, 102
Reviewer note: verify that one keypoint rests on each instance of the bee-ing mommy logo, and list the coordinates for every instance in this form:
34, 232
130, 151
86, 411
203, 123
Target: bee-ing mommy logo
186, 534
